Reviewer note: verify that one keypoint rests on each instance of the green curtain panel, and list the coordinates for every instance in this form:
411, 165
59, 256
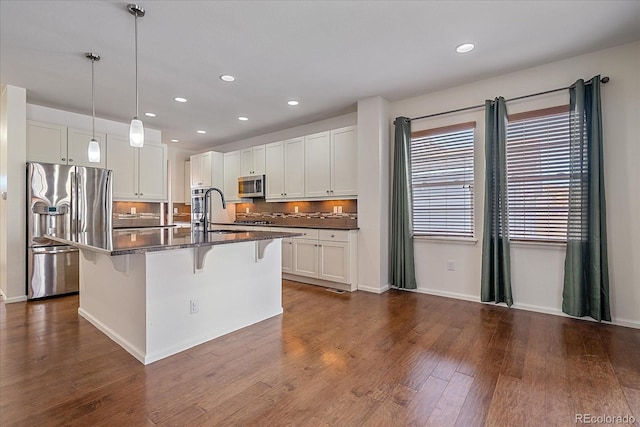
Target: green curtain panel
586, 269
402, 271
496, 260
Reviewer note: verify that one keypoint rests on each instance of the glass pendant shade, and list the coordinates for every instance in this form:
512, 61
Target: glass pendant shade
93, 151
136, 133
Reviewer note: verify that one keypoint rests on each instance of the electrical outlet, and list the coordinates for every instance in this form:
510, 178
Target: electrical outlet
246, 210
295, 209
335, 209
450, 265
133, 237
133, 211
339, 209
194, 306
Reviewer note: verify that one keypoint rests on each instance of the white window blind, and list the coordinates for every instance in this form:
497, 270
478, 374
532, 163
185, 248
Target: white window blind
538, 174
442, 181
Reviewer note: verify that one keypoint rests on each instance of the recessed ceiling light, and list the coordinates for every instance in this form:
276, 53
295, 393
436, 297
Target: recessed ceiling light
243, 119
465, 47
177, 98
150, 114
293, 102
227, 78
201, 131
175, 140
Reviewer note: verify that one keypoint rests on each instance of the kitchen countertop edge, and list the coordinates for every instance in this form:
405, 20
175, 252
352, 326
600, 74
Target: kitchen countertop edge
317, 227
251, 237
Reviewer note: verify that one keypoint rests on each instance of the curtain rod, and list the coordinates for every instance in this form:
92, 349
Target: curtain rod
603, 80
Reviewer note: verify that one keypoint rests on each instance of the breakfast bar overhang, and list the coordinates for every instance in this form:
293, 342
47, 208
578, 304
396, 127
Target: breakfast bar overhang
161, 291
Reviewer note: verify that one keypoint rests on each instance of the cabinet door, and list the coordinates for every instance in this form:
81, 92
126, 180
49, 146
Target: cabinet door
333, 261
305, 257
78, 144
317, 165
205, 169
122, 158
294, 168
152, 172
287, 255
246, 162
46, 143
274, 169
187, 182
344, 162
259, 160
231, 174
196, 168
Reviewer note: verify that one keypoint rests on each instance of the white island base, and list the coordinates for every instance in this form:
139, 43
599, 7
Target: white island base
156, 304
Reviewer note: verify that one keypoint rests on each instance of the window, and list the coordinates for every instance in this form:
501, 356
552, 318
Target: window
442, 181
538, 174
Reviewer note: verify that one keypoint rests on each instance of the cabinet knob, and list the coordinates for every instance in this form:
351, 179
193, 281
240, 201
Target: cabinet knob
71, 160
141, 194
135, 194
63, 159
333, 235
327, 191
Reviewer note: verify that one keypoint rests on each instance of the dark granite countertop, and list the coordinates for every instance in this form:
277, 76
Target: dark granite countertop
319, 227
141, 240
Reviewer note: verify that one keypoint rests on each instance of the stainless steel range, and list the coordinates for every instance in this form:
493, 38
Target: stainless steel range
62, 200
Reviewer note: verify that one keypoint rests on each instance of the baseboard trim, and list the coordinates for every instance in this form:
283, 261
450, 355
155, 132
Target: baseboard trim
526, 307
130, 348
21, 298
318, 282
382, 290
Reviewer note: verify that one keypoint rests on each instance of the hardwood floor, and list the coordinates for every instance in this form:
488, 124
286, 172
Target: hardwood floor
331, 360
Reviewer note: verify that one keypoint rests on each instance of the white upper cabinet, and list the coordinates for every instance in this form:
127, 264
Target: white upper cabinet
152, 172
317, 165
207, 170
138, 173
285, 169
294, 168
49, 143
232, 170
344, 162
252, 161
275, 170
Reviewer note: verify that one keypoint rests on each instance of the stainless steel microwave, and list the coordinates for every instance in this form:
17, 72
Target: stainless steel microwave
251, 186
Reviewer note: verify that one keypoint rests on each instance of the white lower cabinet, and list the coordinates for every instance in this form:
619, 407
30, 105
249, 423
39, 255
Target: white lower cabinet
322, 257
305, 257
287, 255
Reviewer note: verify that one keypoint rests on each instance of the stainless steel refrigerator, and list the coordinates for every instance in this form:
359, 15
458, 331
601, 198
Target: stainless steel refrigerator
62, 200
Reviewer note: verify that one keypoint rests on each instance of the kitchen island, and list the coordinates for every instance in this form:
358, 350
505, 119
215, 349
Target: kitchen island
157, 292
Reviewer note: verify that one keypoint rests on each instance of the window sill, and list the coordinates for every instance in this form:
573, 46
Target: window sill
535, 243
444, 239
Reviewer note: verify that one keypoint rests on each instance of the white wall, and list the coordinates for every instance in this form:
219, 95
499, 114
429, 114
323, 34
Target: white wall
308, 129
537, 270
13, 154
373, 195
39, 113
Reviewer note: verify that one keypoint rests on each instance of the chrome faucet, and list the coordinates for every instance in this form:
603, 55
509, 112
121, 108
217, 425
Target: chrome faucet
207, 197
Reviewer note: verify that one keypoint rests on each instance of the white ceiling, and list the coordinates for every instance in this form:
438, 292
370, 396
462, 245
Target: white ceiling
326, 54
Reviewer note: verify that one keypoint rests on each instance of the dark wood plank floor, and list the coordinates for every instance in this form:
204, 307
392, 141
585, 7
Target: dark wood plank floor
331, 360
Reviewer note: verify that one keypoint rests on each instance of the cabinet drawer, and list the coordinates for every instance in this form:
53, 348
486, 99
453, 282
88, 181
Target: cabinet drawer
334, 235
307, 233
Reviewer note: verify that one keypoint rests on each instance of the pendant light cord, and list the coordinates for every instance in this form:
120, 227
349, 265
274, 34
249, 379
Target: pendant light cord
93, 101
136, 53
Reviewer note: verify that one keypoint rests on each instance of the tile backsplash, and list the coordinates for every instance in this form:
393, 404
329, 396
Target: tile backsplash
137, 214
340, 213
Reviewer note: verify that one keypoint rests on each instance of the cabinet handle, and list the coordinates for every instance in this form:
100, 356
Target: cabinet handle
135, 194
141, 194
71, 160
63, 159
327, 191
333, 235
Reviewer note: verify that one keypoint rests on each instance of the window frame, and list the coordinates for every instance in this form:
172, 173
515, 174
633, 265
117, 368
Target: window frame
449, 236
542, 240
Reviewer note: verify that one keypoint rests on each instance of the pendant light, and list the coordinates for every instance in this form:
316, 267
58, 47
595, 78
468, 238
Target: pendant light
93, 150
136, 131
